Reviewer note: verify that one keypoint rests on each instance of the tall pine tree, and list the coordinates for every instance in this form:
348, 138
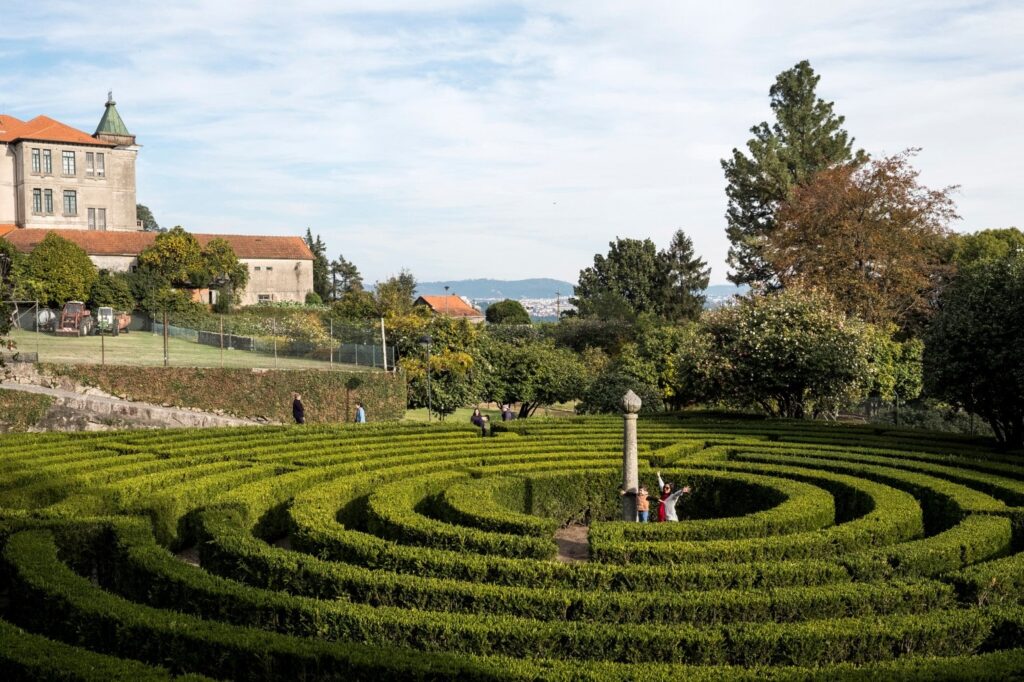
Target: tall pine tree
321, 267
806, 137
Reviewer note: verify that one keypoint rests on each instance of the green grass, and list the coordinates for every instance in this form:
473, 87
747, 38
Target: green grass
146, 348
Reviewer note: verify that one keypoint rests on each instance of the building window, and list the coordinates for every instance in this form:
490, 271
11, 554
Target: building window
36, 164
88, 164
101, 218
92, 218
37, 201
70, 202
257, 268
269, 268
69, 163
101, 167
48, 201
265, 298
47, 162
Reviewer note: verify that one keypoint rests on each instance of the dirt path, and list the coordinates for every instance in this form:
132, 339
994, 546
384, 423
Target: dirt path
572, 544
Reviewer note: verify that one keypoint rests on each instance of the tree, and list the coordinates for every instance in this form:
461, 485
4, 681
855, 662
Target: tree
145, 216
628, 372
636, 279
870, 234
969, 248
686, 276
395, 294
972, 356
507, 312
345, 277
533, 373
221, 270
176, 257
321, 266
805, 138
791, 353
895, 373
58, 271
112, 289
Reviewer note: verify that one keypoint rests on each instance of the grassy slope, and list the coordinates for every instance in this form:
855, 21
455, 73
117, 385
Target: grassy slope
145, 348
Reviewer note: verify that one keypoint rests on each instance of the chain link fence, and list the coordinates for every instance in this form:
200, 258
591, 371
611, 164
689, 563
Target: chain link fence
40, 336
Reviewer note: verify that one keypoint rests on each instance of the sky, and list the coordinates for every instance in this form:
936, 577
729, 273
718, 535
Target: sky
464, 139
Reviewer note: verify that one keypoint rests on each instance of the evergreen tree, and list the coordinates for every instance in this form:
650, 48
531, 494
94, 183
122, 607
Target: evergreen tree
806, 137
686, 278
321, 266
635, 278
345, 277
145, 216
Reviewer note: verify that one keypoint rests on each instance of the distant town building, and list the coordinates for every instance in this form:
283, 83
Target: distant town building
56, 178
451, 306
280, 268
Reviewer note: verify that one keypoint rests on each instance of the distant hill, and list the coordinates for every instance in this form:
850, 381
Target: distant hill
497, 289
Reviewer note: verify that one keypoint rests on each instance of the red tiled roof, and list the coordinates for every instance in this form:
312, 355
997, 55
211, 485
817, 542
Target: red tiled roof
114, 243
44, 129
452, 306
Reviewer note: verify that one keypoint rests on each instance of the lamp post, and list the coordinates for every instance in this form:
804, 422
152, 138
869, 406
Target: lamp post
427, 343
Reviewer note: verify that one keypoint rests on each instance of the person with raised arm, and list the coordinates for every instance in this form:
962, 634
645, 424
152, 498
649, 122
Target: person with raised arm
667, 506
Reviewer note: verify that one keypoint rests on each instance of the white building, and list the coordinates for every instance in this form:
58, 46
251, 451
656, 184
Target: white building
280, 268
56, 178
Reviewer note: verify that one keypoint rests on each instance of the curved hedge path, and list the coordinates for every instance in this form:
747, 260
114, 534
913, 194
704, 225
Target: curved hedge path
809, 551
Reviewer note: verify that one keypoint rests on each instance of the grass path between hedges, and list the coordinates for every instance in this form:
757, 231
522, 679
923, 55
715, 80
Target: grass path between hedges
146, 348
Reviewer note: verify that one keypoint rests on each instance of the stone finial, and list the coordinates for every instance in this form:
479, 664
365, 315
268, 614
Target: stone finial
631, 402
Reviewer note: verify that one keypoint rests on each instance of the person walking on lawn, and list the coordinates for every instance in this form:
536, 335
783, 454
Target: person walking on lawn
298, 409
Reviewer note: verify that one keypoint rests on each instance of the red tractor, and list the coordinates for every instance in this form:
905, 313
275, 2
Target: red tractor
75, 320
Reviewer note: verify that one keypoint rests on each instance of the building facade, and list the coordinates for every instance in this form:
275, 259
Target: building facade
56, 178
280, 268
53, 176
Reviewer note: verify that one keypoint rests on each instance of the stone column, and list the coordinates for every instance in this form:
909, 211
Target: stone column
630, 467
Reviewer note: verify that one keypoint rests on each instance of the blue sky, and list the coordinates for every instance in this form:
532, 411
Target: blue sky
482, 139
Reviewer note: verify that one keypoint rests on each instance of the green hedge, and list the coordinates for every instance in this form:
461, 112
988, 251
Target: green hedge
20, 410
327, 396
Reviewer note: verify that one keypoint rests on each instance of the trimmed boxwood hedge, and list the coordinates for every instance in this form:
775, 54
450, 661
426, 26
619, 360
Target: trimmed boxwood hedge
328, 396
424, 552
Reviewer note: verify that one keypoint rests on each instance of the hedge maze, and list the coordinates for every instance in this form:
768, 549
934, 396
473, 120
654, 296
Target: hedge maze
808, 551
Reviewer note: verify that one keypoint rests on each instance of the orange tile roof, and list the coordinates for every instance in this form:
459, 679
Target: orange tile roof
44, 129
115, 243
451, 305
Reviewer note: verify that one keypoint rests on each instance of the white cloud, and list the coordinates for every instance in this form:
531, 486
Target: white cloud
484, 139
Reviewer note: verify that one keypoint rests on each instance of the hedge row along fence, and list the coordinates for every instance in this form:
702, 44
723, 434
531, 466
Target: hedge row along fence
807, 552
329, 397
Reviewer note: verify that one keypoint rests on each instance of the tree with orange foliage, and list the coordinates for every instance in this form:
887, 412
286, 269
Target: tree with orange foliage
870, 235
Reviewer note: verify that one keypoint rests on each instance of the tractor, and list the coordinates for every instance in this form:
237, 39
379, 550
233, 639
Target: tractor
75, 320
109, 322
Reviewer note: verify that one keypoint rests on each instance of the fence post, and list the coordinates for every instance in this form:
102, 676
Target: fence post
331, 343
103, 346
383, 344
38, 359
165, 339
274, 326
222, 342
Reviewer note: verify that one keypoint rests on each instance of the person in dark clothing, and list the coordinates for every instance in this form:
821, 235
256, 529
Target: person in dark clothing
507, 414
298, 409
479, 420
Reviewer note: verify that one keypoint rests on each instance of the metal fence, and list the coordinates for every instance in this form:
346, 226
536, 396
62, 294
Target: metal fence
335, 346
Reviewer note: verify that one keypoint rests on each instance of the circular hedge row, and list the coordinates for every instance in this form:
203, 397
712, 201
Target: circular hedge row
807, 551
